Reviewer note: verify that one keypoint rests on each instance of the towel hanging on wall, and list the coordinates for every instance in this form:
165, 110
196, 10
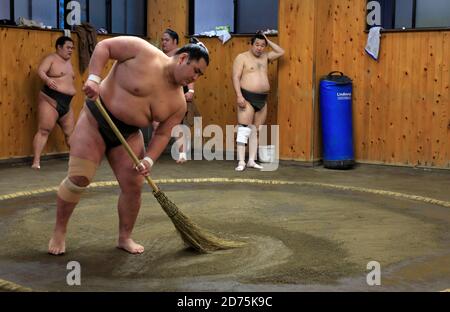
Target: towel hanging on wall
373, 42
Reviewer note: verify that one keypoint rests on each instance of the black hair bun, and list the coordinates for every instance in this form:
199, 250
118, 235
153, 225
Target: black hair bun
194, 40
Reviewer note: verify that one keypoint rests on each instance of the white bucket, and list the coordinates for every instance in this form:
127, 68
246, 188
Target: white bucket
266, 153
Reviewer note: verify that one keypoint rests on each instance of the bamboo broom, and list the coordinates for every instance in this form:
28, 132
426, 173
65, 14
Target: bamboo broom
201, 240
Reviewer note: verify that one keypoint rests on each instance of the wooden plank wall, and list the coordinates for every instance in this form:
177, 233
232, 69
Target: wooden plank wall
401, 104
296, 96
214, 92
21, 52
321, 64
167, 14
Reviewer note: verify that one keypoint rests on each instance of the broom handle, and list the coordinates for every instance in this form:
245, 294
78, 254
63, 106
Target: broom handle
124, 142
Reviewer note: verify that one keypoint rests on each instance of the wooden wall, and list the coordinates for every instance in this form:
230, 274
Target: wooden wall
401, 104
167, 14
322, 63
296, 96
214, 92
21, 52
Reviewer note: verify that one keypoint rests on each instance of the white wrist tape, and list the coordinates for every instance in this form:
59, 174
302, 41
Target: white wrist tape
149, 160
95, 78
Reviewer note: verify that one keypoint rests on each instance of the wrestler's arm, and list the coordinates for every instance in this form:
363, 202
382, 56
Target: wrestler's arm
163, 134
120, 48
276, 52
44, 68
238, 67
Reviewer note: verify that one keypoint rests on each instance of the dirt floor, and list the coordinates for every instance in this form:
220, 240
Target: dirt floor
306, 229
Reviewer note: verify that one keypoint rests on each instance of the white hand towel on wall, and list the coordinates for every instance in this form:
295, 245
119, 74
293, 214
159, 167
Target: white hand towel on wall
373, 42
223, 35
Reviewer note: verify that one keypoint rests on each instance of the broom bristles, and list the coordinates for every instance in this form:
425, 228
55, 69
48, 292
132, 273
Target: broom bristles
201, 240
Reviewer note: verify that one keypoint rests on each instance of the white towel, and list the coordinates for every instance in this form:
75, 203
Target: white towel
223, 35
373, 42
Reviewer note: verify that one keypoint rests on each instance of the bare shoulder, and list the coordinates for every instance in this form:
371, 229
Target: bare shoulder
132, 42
137, 42
130, 39
145, 46
240, 58
48, 59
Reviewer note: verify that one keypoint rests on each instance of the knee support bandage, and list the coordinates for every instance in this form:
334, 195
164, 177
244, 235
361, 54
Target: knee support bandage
69, 191
243, 133
78, 167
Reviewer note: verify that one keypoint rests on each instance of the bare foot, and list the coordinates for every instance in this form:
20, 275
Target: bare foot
35, 166
57, 245
130, 246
